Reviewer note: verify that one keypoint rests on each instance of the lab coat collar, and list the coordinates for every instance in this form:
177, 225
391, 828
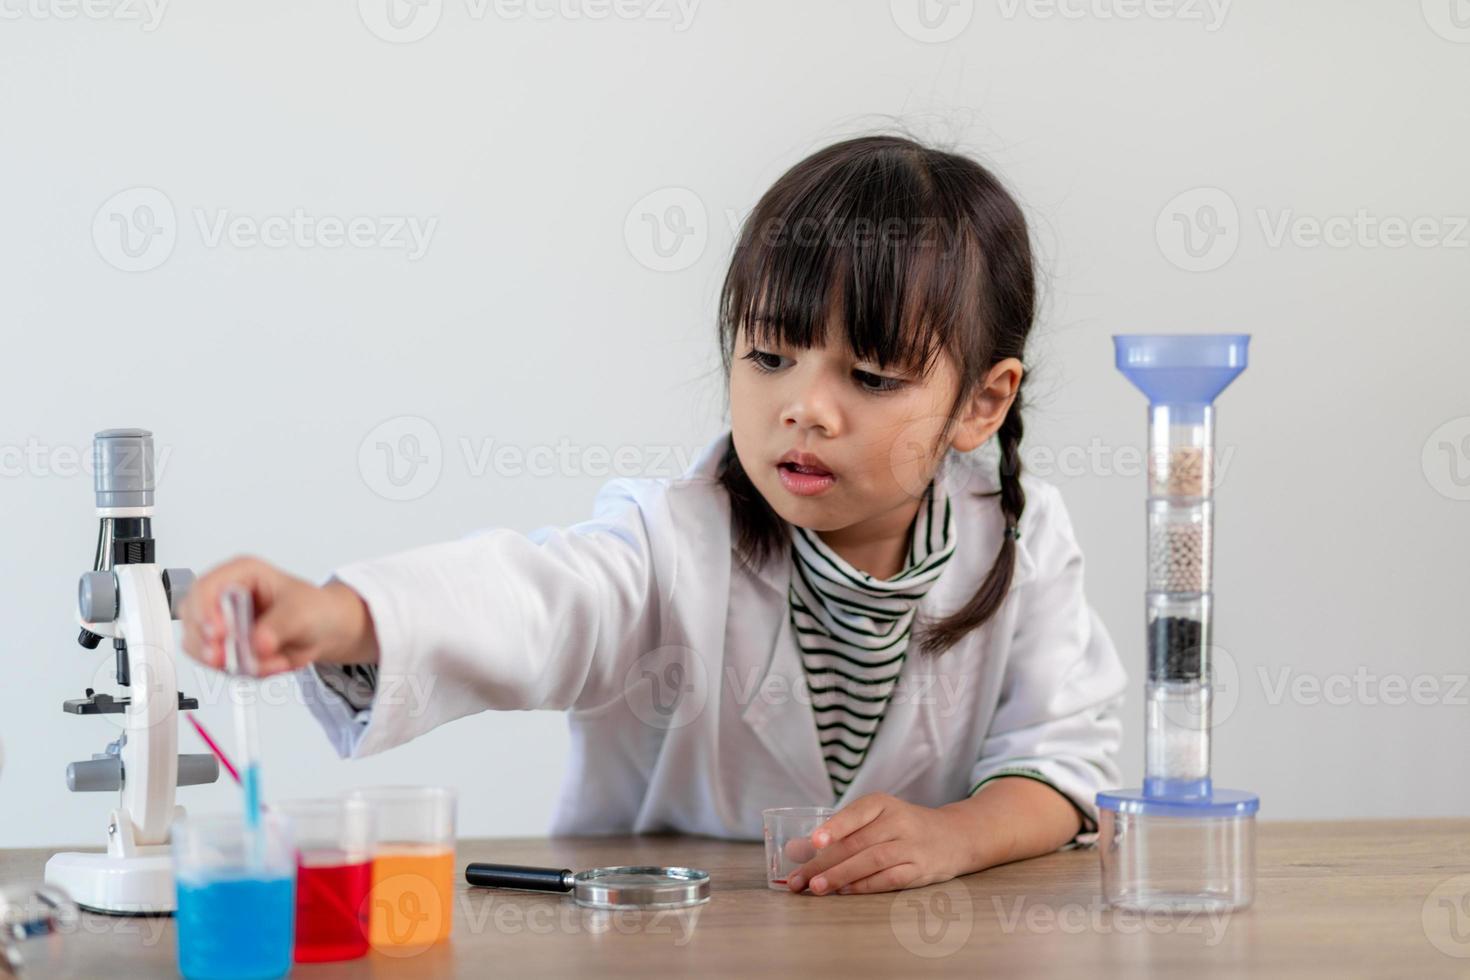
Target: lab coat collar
907, 742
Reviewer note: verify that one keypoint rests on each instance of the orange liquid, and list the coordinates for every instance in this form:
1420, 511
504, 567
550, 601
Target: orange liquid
412, 898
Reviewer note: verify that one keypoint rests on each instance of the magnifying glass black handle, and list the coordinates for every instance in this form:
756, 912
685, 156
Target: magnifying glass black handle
519, 876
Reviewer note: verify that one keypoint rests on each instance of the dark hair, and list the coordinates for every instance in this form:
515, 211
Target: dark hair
922, 252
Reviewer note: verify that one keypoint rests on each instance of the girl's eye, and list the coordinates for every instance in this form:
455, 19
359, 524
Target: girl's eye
876, 382
764, 360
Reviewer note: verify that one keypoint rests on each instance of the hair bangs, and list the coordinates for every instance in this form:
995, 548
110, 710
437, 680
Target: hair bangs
867, 246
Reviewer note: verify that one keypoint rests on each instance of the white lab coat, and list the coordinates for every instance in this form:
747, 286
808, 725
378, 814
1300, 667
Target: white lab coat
681, 677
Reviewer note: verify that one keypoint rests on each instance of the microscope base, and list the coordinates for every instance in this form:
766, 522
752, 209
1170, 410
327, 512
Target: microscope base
140, 884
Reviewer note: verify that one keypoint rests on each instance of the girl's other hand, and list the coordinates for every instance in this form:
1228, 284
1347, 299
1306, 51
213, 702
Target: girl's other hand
880, 843
296, 622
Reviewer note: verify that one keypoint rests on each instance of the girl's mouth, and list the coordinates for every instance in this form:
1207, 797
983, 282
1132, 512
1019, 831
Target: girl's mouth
805, 481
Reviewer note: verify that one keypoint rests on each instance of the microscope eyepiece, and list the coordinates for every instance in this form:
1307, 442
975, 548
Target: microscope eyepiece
123, 467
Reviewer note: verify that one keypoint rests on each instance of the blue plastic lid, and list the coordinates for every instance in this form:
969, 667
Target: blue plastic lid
1181, 369
1219, 803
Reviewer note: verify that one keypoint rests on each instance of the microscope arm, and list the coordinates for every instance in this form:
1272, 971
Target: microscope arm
150, 754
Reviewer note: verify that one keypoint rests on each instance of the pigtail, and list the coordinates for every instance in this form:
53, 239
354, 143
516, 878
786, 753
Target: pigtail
938, 636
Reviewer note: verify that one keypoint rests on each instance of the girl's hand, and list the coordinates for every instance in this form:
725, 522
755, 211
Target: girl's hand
296, 622
880, 843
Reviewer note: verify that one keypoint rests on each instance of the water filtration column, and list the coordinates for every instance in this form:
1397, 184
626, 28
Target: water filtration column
1179, 842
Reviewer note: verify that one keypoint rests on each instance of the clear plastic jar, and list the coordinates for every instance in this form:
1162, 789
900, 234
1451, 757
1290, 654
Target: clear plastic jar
1175, 855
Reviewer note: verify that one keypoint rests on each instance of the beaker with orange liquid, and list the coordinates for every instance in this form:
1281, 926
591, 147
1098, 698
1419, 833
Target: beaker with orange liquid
411, 901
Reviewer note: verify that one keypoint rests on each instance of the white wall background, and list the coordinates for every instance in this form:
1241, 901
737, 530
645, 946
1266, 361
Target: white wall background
530, 135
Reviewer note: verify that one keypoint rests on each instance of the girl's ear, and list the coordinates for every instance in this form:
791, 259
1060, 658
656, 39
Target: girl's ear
986, 409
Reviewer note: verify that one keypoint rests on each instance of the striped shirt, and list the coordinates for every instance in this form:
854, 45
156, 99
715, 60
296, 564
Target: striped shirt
853, 631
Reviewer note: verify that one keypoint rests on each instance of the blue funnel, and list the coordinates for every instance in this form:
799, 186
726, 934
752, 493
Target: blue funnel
1181, 369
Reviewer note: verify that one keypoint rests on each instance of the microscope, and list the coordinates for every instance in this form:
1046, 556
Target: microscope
130, 600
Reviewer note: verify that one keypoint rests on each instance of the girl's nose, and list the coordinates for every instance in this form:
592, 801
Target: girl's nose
812, 407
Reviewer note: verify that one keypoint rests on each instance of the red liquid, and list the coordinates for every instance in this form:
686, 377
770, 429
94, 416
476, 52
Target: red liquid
331, 910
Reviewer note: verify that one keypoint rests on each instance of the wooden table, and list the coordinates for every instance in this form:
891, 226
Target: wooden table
1379, 898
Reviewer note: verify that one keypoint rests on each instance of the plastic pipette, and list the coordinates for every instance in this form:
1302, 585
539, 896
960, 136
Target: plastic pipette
238, 611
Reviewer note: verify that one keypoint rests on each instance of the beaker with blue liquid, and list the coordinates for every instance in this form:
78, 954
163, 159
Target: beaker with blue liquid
236, 890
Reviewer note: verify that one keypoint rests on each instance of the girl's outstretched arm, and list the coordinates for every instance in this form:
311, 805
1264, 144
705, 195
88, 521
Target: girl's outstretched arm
501, 620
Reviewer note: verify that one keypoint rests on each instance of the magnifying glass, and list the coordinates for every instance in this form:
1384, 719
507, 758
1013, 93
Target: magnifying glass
632, 887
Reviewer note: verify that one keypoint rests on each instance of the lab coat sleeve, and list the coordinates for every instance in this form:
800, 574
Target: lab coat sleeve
498, 620
1058, 715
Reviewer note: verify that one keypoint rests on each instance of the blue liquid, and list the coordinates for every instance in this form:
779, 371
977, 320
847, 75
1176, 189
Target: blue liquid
236, 926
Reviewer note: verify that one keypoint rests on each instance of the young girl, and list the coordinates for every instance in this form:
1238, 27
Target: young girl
833, 606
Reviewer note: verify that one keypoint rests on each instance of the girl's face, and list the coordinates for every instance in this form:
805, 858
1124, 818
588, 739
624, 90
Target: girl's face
832, 441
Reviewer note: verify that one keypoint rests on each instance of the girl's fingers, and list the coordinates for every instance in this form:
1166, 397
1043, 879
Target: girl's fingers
867, 862
270, 666
837, 853
201, 607
285, 656
266, 641
849, 819
199, 634
214, 632
888, 880
275, 652
201, 648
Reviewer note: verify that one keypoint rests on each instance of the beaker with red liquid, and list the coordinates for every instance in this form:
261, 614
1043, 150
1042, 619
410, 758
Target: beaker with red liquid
334, 875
